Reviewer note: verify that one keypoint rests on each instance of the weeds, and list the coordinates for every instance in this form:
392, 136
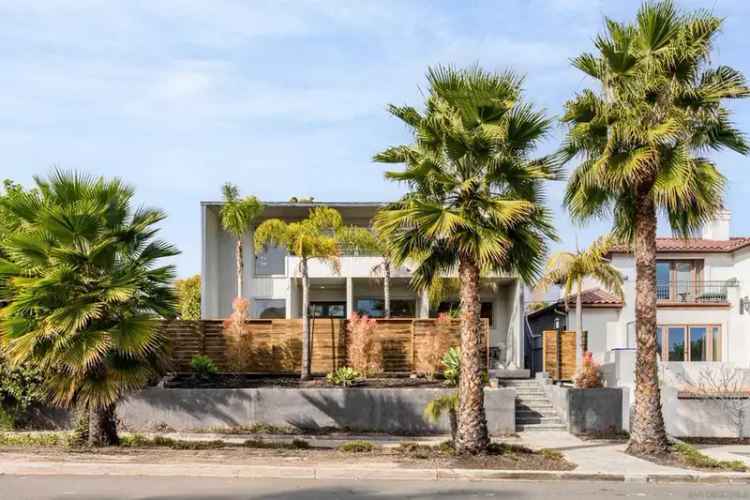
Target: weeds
357, 446
692, 457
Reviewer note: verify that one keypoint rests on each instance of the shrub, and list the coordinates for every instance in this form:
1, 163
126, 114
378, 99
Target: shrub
437, 344
452, 366
590, 375
237, 335
357, 446
694, 458
203, 366
364, 352
20, 388
344, 376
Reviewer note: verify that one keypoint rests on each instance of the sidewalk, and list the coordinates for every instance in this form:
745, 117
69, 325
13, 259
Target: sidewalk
597, 460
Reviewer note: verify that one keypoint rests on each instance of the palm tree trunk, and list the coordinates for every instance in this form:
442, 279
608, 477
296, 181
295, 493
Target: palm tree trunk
103, 426
579, 327
81, 426
471, 436
647, 434
387, 288
239, 264
305, 321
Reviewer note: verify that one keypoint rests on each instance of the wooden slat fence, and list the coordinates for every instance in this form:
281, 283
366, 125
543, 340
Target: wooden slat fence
559, 353
275, 346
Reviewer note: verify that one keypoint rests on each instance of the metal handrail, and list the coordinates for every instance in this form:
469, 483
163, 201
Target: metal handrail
699, 292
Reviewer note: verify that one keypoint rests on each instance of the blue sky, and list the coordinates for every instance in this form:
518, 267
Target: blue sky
281, 98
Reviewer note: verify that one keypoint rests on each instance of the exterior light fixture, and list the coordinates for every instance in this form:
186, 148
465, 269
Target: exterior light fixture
745, 305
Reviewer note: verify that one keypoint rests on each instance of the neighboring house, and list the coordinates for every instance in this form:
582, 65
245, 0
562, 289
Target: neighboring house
273, 284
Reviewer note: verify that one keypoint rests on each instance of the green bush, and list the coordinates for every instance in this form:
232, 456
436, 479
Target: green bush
343, 376
452, 366
20, 388
694, 458
203, 366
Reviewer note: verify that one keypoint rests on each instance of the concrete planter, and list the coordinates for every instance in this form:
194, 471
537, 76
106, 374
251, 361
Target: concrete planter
397, 411
587, 411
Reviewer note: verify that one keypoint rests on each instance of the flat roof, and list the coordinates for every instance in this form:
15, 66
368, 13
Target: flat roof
309, 204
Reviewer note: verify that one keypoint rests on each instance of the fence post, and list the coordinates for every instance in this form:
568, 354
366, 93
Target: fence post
558, 352
413, 349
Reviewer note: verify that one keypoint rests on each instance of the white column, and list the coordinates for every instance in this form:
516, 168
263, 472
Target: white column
290, 297
349, 297
424, 305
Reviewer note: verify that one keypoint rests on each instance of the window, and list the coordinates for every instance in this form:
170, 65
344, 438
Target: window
269, 308
689, 342
486, 311
679, 280
328, 309
270, 261
375, 308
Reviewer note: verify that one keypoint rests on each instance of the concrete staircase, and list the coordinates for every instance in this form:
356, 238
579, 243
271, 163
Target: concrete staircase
534, 411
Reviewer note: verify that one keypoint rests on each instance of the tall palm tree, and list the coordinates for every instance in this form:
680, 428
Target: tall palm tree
365, 240
570, 269
310, 238
474, 204
237, 215
86, 286
640, 140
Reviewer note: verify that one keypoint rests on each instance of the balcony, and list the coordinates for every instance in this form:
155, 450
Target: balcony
694, 292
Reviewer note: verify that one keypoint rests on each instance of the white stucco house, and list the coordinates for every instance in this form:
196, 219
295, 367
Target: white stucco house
273, 285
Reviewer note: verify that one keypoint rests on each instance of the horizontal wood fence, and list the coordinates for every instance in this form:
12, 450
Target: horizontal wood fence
559, 353
275, 346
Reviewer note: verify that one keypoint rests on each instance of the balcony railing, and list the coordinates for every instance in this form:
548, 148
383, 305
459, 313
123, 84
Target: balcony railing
695, 292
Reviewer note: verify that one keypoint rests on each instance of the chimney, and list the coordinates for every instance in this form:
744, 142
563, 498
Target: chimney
718, 228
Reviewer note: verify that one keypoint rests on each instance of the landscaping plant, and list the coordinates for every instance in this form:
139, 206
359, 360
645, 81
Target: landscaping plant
474, 204
344, 376
452, 366
589, 376
189, 298
436, 344
86, 288
439, 406
570, 269
237, 216
311, 238
203, 366
21, 387
640, 141
364, 352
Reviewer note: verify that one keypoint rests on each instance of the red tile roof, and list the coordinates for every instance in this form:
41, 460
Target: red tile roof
596, 297
693, 245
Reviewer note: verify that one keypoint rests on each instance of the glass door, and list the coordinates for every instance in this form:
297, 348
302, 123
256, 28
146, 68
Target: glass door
676, 345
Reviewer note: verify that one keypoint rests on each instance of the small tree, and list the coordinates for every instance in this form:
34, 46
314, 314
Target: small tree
86, 286
589, 376
311, 238
436, 344
189, 298
363, 351
366, 241
237, 215
570, 269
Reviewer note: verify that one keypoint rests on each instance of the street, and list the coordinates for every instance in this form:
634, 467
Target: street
111, 488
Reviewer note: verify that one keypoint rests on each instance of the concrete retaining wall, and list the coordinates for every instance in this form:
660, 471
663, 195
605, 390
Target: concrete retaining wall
587, 410
357, 409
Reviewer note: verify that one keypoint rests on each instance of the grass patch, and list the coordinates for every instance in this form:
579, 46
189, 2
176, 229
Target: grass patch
416, 450
357, 446
295, 444
24, 439
140, 441
692, 457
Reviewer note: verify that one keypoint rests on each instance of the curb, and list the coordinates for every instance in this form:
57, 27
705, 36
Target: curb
359, 473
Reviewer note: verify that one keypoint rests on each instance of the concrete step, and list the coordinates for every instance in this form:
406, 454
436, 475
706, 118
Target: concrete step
532, 398
541, 427
537, 420
521, 394
535, 414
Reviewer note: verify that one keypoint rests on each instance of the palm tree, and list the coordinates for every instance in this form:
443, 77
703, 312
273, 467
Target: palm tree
364, 240
86, 286
474, 204
640, 139
237, 215
311, 238
570, 269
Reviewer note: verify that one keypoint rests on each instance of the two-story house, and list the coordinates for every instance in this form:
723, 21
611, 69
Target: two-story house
273, 283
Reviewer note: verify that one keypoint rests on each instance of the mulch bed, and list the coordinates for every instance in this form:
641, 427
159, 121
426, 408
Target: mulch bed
509, 458
250, 381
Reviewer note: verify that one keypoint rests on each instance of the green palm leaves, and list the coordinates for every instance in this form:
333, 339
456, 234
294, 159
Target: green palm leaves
474, 190
660, 110
85, 285
237, 215
313, 237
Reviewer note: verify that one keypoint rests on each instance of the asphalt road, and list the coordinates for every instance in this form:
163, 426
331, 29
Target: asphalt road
108, 487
